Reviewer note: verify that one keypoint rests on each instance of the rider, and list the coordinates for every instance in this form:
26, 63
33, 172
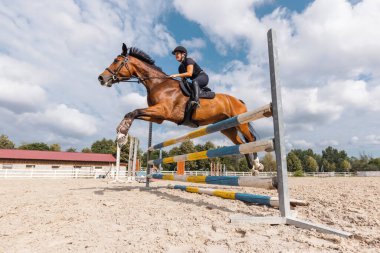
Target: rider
188, 68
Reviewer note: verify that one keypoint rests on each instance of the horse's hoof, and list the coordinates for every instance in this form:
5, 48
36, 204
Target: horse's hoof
260, 167
122, 139
123, 130
123, 127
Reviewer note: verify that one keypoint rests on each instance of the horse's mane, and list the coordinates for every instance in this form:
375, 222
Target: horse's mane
141, 55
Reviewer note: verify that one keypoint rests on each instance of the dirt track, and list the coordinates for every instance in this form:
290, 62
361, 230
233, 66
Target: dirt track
94, 216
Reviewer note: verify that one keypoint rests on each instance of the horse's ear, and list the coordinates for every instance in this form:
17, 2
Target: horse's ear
125, 50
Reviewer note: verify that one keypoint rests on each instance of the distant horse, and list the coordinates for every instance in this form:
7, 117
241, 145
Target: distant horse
166, 101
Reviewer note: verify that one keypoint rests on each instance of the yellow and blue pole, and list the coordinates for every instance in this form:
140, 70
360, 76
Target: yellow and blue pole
245, 197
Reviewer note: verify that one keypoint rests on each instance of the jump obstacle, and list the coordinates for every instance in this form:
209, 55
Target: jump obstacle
245, 197
274, 109
259, 182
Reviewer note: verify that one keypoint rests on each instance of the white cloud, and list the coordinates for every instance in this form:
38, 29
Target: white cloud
50, 59
329, 58
303, 144
354, 139
193, 43
325, 143
20, 97
63, 120
229, 22
373, 139
352, 93
134, 100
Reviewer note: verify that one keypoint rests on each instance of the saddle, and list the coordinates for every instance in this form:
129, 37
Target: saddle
205, 93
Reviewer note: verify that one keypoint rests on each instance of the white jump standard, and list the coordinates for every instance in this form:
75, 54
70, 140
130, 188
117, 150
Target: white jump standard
274, 109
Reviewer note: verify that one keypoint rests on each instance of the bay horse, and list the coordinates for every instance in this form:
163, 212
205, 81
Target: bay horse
166, 101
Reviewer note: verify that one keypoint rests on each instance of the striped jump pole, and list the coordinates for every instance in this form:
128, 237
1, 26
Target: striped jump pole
245, 197
252, 147
265, 111
258, 182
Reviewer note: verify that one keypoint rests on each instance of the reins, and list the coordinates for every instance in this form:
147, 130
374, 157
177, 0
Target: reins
117, 79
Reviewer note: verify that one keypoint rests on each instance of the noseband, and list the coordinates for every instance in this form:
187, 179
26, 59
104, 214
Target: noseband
115, 74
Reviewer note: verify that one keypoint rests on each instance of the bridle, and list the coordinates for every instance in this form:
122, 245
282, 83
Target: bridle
115, 74
125, 61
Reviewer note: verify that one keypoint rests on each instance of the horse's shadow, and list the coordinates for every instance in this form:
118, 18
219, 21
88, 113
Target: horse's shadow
156, 190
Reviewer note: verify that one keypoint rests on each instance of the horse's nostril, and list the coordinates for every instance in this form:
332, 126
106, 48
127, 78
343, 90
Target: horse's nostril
100, 78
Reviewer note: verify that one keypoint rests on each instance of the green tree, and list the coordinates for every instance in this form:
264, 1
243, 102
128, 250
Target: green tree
364, 163
71, 149
294, 163
345, 166
311, 164
328, 166
333, 157
104, 146
205, 163
55, 147
269, 162
35, 146
6, 143
87, 150
375, 162
303, 156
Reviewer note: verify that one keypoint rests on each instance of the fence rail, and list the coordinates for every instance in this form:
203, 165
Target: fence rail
80, 173
58, 173
265, 174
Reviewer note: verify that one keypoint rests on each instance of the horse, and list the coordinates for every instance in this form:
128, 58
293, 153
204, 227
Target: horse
166, 101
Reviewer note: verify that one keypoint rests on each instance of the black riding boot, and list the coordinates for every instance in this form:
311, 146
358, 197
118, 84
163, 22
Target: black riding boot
195, 94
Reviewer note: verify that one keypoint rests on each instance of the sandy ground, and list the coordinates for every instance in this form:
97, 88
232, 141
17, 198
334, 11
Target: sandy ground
96, 216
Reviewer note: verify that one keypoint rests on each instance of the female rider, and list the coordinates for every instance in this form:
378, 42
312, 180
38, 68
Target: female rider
188, 68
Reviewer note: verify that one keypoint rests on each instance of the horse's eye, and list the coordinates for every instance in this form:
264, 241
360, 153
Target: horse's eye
115, 61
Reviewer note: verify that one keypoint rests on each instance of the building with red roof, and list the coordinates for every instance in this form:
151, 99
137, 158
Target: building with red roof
24, 159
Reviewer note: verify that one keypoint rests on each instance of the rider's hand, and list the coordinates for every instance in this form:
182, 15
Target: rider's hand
173, 76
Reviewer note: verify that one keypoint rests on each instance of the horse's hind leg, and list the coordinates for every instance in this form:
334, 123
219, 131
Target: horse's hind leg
232, 134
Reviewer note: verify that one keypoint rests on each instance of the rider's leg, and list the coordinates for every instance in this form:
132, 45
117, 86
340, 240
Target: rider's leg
199, 82
195, 93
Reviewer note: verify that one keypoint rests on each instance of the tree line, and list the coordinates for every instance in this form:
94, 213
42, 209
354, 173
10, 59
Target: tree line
299, 161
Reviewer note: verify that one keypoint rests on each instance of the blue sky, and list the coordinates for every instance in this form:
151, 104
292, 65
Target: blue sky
329, 66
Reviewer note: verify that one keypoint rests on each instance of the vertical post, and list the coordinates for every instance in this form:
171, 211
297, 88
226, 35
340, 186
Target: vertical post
117, 161
148, 154
160, 166
130, 160
134, 159
282, 175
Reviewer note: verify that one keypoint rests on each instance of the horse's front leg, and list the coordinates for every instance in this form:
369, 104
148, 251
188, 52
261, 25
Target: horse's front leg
153, 114
126, 123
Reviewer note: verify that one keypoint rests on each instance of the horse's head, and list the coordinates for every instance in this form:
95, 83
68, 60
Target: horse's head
118, 71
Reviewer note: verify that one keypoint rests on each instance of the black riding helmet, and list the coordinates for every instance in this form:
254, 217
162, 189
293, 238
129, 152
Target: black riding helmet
179, 49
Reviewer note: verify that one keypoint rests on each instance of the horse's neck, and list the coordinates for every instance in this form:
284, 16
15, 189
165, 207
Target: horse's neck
152, 78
